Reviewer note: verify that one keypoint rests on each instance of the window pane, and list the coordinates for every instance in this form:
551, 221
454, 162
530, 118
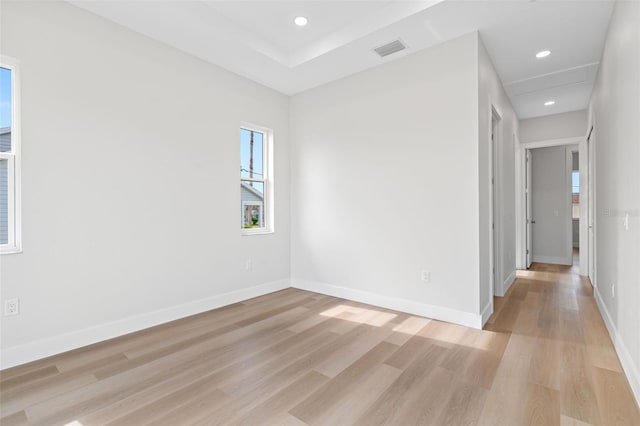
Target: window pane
575, 182
251, 150
5, 110
4, 202
252, 199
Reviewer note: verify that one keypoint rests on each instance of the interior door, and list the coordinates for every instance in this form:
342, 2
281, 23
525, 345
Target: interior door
496, 263
591, 209
529, 206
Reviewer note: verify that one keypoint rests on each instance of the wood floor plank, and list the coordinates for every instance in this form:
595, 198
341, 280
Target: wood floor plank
570, 421
504, 403
615, 405
16, 419
576, 387
20, 401
360, 398
422, 407
343, 384
414, 380
202, 409
258, 387
409, 351
160, 407
351, 352
255, 332
604, 356
465, 404
29, 377
542, 407
406, 329
283, 401
546, 363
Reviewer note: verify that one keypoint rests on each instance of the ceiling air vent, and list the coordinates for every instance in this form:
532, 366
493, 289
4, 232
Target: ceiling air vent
389, 48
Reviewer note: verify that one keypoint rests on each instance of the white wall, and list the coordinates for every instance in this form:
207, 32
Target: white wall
130, 183
385, 184
615, 112
551, 205
556, 126
492, 95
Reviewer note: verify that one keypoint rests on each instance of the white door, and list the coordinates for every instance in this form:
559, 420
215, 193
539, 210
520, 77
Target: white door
591, 211
528, 198
495, 204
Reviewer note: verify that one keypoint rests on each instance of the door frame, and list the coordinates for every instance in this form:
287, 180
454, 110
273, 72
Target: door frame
521, 223
590, 205
528, 209
569, 173
495, 252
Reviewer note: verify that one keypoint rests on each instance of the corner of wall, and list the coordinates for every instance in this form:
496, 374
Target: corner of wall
440, 313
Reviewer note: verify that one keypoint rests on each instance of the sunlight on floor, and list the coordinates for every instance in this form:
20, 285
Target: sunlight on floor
411, 325
359, 315
444, 332
525, 273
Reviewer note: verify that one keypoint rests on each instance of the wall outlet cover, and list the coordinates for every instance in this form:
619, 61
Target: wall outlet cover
11, 307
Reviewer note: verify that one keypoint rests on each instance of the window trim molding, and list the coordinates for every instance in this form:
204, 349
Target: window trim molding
14, 169
267, 169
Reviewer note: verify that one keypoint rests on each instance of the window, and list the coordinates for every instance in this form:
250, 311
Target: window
255, 182
575, 194
9, 156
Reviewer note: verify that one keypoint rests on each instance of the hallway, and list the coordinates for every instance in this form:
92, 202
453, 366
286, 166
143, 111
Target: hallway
559, 359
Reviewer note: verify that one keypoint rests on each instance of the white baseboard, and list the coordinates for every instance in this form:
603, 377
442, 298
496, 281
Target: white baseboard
507, 283
442, 313
629, 366
568, 261
38, 349
486, 313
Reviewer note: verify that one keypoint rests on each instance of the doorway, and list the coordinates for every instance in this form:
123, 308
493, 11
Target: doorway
526, 220
591, 202
528, 207
496, 261
551, 205
575, 206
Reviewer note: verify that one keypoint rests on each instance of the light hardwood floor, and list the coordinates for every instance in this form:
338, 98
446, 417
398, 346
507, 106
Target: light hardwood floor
295, 358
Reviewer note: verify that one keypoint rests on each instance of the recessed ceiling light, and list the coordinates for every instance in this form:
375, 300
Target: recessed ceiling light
301, 21
543, 54
549, 103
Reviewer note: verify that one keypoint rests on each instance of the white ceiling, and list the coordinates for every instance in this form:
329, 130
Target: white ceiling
257, 39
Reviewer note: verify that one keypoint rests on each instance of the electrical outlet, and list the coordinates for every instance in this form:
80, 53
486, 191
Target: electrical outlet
425, 276
247, 265
11, 307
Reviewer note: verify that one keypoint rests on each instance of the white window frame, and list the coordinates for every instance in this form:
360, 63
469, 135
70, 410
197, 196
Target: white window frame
14, 244
267, 180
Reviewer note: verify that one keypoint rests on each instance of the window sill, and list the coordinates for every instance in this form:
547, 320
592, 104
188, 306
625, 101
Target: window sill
10, 250
255, 231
